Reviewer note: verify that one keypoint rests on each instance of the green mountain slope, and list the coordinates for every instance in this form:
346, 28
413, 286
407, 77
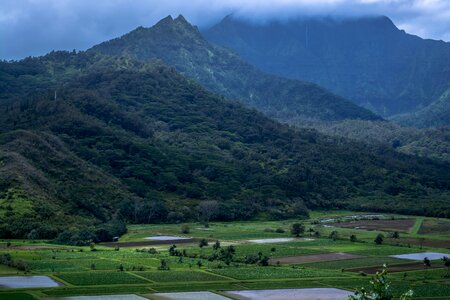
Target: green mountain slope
434, 115
101, 138
181, 45
368, 60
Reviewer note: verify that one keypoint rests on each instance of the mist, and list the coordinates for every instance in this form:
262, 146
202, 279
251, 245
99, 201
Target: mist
35, 27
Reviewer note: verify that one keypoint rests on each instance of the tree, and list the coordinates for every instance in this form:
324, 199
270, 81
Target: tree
216, 245
380, 289
426, 262
185, 229
446, 261
395, 235
334, 235
353, 238
163, 265
207, 210
297, 229
202, 243
379, 239
311, 230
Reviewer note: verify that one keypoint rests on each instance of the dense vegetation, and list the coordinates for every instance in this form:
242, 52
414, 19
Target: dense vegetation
181, 45
368, 60
433, 143
87, 139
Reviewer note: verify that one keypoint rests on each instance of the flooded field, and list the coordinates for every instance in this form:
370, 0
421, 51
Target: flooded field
17, 282
105, 297
166, 238
292, 294
421, 256
188, 296
270, 241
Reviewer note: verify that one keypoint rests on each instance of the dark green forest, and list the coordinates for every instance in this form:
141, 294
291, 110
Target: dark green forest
365, 59
93, 141
181, 45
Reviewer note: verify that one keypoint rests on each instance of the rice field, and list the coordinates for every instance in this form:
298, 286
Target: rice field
126, 270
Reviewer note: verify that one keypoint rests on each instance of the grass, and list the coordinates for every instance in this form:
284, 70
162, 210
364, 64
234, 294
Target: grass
245, 273
74, 266
100, 278
16, 296
179, 276
355, 263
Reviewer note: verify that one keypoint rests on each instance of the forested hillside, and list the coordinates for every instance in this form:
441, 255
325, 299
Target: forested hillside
179, 44
366, 59
89, 139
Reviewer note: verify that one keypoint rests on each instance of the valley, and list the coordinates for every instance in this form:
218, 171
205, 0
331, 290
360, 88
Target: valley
330, 261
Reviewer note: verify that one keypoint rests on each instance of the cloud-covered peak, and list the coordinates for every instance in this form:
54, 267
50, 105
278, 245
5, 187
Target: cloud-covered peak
30, 27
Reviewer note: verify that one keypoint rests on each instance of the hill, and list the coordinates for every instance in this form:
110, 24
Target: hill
101, 139
434, 115
179, 44
367, 60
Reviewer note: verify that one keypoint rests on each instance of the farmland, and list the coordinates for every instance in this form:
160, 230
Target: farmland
323, 256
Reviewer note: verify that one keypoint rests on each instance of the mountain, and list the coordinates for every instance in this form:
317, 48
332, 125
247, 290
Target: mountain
433, 143
367, 60
434, 115
90, 139
179, 44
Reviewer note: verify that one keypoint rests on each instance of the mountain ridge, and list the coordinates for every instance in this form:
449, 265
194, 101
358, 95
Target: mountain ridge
368, 59
179, 44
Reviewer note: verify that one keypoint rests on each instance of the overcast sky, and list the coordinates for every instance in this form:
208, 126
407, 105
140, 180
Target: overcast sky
35, 27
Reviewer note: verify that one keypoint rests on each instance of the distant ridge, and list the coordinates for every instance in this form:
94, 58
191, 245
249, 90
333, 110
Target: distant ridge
367, 60
179, 44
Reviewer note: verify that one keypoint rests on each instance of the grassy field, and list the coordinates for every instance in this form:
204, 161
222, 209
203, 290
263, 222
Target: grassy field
135, 270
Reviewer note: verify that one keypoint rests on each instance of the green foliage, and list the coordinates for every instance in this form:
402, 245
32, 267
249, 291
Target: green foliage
379, 239
137, 142
363, 59
297, 229
181, 45
380, 289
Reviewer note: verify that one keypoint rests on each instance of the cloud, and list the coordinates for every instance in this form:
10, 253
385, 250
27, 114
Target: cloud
35, 27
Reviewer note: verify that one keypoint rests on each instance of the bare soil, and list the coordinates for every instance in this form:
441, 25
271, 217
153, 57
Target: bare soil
435, 226
403, 225
313, 258
396, 268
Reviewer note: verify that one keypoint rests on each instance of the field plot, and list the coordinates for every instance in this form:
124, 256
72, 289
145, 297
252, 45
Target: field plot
166, 238
17, 282
435, 226
149, 243
292, 294
396, 268
179, 276
100, 278
312, 258
187, 296
355, 263
421, 256
402, 225
271, 241
105, 297
244, 273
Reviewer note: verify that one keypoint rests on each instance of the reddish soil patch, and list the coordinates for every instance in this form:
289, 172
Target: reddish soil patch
396, 268
313, 258
418, 242
435, 226
149, 243
403, 225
